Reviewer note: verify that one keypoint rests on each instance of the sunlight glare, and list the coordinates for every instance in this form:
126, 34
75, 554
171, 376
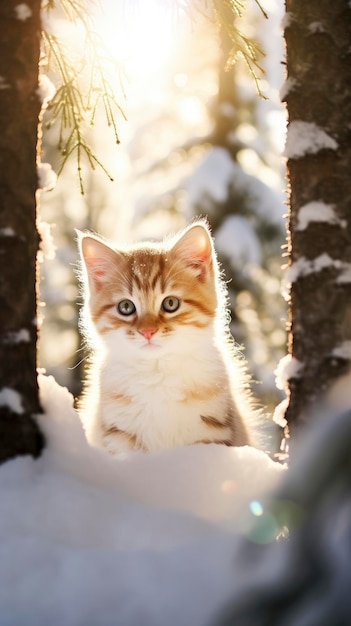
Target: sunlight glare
192, 110
139, 35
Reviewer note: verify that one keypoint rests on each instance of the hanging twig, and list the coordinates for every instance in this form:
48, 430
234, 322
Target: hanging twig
74, 107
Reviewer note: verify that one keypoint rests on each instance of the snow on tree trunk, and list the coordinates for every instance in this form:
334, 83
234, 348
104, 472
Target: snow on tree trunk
318, 148
19, 240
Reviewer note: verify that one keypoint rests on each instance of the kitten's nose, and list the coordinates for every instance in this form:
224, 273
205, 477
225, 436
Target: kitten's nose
147, 332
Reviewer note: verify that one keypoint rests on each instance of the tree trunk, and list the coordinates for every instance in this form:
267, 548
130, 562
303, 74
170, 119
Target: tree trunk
318, 92
19, 239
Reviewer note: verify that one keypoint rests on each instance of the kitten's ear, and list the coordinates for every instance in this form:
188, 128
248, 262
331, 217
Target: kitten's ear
97, 258
195, 248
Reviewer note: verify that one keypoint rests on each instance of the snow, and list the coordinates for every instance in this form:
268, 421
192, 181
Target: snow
288, 367
289, 85
19, 336
318, 211
171, 478
305, 580
343, 351
47, 246
304, 267
287, 19
147, 539
7, 232
212, 177
3, 83
280, 412
46, 90
46, 176
345, 274
23, 12
210, 185
316, 27
237, 240
306, 138
11, 399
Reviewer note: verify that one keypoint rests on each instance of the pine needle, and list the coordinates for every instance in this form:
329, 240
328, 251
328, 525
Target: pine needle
74, 107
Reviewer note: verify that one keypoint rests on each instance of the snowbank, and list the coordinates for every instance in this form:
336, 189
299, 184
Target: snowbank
92, 539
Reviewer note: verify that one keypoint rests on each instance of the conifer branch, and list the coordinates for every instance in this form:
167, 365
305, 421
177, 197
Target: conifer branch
74, 106
226, 14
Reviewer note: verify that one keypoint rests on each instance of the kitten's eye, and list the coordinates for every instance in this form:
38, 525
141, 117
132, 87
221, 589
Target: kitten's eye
126, 307
170, 304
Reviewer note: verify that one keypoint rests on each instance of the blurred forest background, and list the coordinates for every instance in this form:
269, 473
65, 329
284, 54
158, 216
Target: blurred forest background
198, 140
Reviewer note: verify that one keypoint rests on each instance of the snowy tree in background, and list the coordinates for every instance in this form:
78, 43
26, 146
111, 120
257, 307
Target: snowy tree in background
233, 186
20, 107
318, 148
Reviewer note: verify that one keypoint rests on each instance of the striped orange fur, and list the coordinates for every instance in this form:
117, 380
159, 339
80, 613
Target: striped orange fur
163, 371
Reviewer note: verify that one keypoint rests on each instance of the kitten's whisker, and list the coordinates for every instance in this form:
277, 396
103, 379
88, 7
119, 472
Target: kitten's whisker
78, 364
80, 349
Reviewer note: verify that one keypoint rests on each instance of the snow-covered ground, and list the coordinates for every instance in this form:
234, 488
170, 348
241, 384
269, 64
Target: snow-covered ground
147, 539
183, 536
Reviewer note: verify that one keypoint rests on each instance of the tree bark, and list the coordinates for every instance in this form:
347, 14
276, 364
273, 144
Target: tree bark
19, 239
318, 36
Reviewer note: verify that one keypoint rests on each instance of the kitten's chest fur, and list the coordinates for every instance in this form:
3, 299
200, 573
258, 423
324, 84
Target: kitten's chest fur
162, 404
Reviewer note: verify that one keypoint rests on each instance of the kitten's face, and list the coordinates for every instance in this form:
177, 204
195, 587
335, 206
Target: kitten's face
149, 299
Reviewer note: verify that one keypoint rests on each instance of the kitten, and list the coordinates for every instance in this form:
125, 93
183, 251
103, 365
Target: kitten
163, 370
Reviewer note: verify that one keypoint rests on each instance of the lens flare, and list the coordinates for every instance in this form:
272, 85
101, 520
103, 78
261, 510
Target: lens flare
256, 508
